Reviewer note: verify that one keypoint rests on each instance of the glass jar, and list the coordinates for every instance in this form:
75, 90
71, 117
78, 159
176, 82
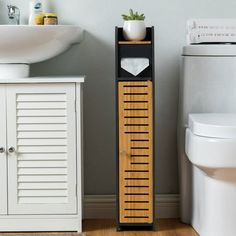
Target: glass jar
50, 19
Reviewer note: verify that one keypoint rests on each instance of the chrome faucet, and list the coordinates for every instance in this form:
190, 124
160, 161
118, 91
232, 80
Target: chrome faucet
13, 15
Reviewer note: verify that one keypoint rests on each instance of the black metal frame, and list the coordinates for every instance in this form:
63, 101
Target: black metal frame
134, 51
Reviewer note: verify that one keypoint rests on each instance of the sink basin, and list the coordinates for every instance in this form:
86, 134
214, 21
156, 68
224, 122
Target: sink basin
30, 44
21, 45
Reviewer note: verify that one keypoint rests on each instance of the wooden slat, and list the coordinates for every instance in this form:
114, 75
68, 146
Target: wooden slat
134, 175
135, 87
41, 120
42, 149
139, 153
41, 113
136, 105
137, 205
134, 112
134, 42
131, 97
45, 178
47, 97
40, 157
42, 127
35, 186
138, 167
41, 105
140, 182
40, 142
42, 200
42, 134
42, 171
137, 220
137, 128
136, 198
136, 152
41, 193
40, 164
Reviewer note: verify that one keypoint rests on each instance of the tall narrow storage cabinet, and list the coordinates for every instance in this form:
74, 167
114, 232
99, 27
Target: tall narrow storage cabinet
41, 154
135, 134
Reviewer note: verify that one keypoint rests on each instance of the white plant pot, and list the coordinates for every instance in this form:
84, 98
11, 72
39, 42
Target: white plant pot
134, 30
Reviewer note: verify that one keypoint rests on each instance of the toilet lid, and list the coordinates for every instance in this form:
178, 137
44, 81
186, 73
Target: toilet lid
213, 125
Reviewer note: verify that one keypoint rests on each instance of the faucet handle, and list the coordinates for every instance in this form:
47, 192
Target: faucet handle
14, 13
12, 9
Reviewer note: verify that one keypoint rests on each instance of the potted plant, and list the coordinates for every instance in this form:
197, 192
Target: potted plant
134, 27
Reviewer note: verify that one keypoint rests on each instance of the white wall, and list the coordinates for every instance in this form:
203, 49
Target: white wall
95, 58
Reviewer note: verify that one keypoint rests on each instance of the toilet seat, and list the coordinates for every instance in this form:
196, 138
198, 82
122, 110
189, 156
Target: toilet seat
214, 125
211, 140
210, 145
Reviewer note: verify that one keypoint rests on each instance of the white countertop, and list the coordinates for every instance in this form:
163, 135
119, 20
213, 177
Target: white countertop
45, 79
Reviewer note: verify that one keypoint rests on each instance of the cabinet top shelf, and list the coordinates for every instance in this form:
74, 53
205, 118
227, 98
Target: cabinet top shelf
134, 42
37, 80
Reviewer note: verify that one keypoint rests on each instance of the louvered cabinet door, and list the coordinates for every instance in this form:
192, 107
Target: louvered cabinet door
135, 152
41, 128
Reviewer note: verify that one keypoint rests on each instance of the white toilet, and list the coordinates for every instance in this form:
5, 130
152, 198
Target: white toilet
207, 139
211, 147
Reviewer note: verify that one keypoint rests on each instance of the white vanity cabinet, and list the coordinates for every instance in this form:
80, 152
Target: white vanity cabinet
41, 154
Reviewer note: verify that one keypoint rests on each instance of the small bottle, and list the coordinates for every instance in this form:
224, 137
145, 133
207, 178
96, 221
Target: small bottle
36, 12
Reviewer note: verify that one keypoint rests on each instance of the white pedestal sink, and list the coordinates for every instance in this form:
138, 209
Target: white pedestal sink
22, 45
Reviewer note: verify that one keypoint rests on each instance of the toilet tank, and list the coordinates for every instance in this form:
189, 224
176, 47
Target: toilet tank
207, 85
208, 81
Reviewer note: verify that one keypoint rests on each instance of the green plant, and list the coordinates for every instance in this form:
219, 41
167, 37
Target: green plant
133, 16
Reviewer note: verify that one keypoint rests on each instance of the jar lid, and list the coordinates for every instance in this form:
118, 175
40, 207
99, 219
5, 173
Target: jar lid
50, 15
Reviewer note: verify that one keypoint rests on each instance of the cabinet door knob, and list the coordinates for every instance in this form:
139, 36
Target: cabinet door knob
11, 149
2, 149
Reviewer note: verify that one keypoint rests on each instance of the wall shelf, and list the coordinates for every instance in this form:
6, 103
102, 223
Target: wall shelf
134, 42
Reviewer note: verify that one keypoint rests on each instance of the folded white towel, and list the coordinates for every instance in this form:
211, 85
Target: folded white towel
134, 65
211, 31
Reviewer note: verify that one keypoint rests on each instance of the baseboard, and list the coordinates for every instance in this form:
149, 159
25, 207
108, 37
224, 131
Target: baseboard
104, 206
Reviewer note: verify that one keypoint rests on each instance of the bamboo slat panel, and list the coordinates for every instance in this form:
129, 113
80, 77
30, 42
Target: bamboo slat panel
136, 152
